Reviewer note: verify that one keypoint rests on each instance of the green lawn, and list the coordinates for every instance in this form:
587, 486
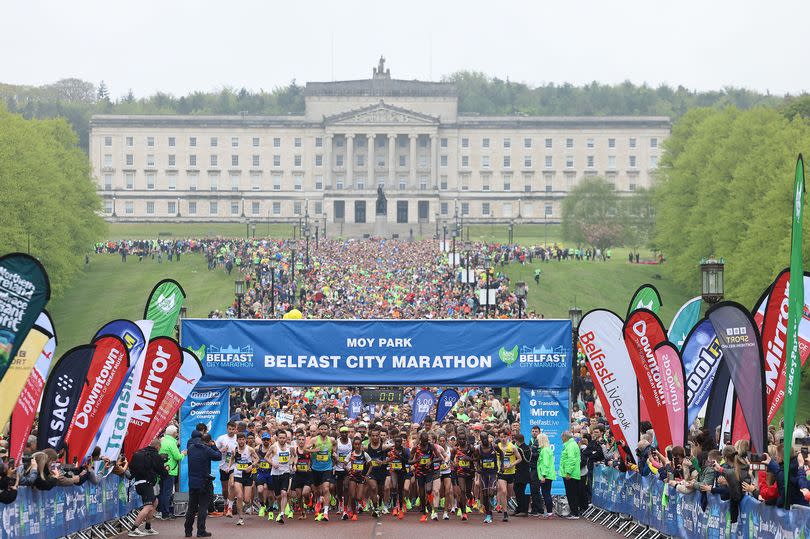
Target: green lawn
139, 231
110, 289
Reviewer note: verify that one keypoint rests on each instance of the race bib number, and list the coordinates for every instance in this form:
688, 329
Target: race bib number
283, 459
303, 467
488, 465
396, 465
321, 458
243, 467
443, 466
264, 465
463, 463
342, 458
424, 461
357, 467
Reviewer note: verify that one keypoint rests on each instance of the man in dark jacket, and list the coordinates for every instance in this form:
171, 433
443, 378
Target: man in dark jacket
591, 454
201, 452
536, 506
146, 467
522, 477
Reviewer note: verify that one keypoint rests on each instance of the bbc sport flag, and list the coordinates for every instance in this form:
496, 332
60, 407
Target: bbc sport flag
795, 305
163, 307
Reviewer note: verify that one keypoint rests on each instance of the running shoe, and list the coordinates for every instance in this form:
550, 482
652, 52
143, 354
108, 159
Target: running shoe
445, 516
395, 511
434, 516
384, 509
240, 522
289, 512
408, 504
137, 532
270, 516
458, 512
424, 518
280, 518
401, 515
345, 516
318, 517
318, 507
354, 517
262, 511
325, 517
505, 516
229, 512
488, 519
375, 513
464, 516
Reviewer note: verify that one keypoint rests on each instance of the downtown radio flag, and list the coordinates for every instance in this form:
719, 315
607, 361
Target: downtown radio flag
25, 409
795, 307
602, 340
160, 367
163, 307
17, 374
105, 375
187, 377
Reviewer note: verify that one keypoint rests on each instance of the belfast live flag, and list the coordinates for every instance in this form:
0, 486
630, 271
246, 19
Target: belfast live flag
24, 291
163, 307
795, 307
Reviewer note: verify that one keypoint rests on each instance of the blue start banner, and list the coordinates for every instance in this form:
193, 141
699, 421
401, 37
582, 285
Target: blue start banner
61, 511
209, 406
498, 353
690, 515
547, 409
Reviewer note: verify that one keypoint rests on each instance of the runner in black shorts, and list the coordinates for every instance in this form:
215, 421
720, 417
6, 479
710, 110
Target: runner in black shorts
245, 460
302, 480
359, 462
398, 457
378, 471
487, 464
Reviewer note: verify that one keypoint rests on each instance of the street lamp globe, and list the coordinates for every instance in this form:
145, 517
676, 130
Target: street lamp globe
711, 274
575, 314
239, 287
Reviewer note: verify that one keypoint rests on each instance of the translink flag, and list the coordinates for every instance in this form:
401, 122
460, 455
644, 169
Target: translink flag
795, 308
163, 307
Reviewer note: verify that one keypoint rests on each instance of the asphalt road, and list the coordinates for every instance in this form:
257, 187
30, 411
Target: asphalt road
388, 527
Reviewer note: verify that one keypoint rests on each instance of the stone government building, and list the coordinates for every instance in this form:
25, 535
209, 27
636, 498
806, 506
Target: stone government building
434, 164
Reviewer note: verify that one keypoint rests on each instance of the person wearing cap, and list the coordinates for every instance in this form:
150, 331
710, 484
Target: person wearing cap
263, 475
171, 452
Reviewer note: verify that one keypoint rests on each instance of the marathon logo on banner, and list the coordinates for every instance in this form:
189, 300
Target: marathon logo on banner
382, 351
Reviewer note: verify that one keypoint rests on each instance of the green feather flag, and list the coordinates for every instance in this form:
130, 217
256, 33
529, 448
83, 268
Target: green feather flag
795, 308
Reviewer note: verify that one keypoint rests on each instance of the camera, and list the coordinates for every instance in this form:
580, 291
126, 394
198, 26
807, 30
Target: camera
687, 451
756, 457
726, 437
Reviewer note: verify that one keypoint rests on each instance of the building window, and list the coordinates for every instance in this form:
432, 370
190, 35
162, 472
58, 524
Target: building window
465, 182
611, 143
297, 142
401, 161
297, 160
526, 210
527, 183
150, 160
192, 207
234, 182
507, 161
339, 142
256, 161
276, 142
632, 161
150, 142
234, 160
380, 142
361, 160
172, 182
402, 183
549, 181
422, 161
631, 186
507, 143
443, 160
653, 142
172, 160
276, 182
589, 143
485, 182
276, 161
548, 143
485, 142
590, 161
276, 208
213, 179
465, 142
129, 160
150, 181
214, 160
547, 209
318, 182
402, 211
171, 142
465, 208
611, 179
299, 182
339, 160
234, 142
107, 159
319, 142
192, 182
318, 160
569, 143
507, 209
527, 142
423, 182
549, 161
653, 161
443, 208
527, 161
150, 208
569, 180
360, 182
381, 160
171, 207
234, 208
423, 142
443, 142
108, 182
339, 182
130, 142
485, 208
569, 161
129, 207
507, 182
611, 163
255, 181
254, 208
632, 142
255, 142
192, 142
214, 142
485, 161
443, 183
192, 160
318, 207
108, 141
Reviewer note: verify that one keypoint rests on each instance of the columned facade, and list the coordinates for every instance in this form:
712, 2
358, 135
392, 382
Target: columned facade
355, 135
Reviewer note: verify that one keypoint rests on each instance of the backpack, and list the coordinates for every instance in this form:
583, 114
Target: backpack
140, 466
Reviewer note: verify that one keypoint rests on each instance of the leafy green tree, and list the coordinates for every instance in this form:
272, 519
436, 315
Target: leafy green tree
48, 196
638, 217
591, 214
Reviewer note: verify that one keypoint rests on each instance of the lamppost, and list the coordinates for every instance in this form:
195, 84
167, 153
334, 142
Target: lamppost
436, 215
511, 229
247, 229
113, 205
317, 230
454, 234
444, 237
521, 291
272, 289
306, 237
467, 248
575, 314
292, 271
487, 270
177, 326
178, 206
239, 292
711, 272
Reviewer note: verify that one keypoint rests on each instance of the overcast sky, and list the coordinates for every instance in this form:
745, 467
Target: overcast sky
180, 46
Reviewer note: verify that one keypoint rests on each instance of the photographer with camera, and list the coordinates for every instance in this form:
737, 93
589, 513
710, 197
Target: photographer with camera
9, 481
202, 451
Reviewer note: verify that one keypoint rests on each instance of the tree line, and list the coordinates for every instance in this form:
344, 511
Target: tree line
77, 100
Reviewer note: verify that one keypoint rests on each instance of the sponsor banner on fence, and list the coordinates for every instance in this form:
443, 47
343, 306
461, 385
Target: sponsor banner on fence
654, 503
511, 353
547, 409
61, 511
209, 406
